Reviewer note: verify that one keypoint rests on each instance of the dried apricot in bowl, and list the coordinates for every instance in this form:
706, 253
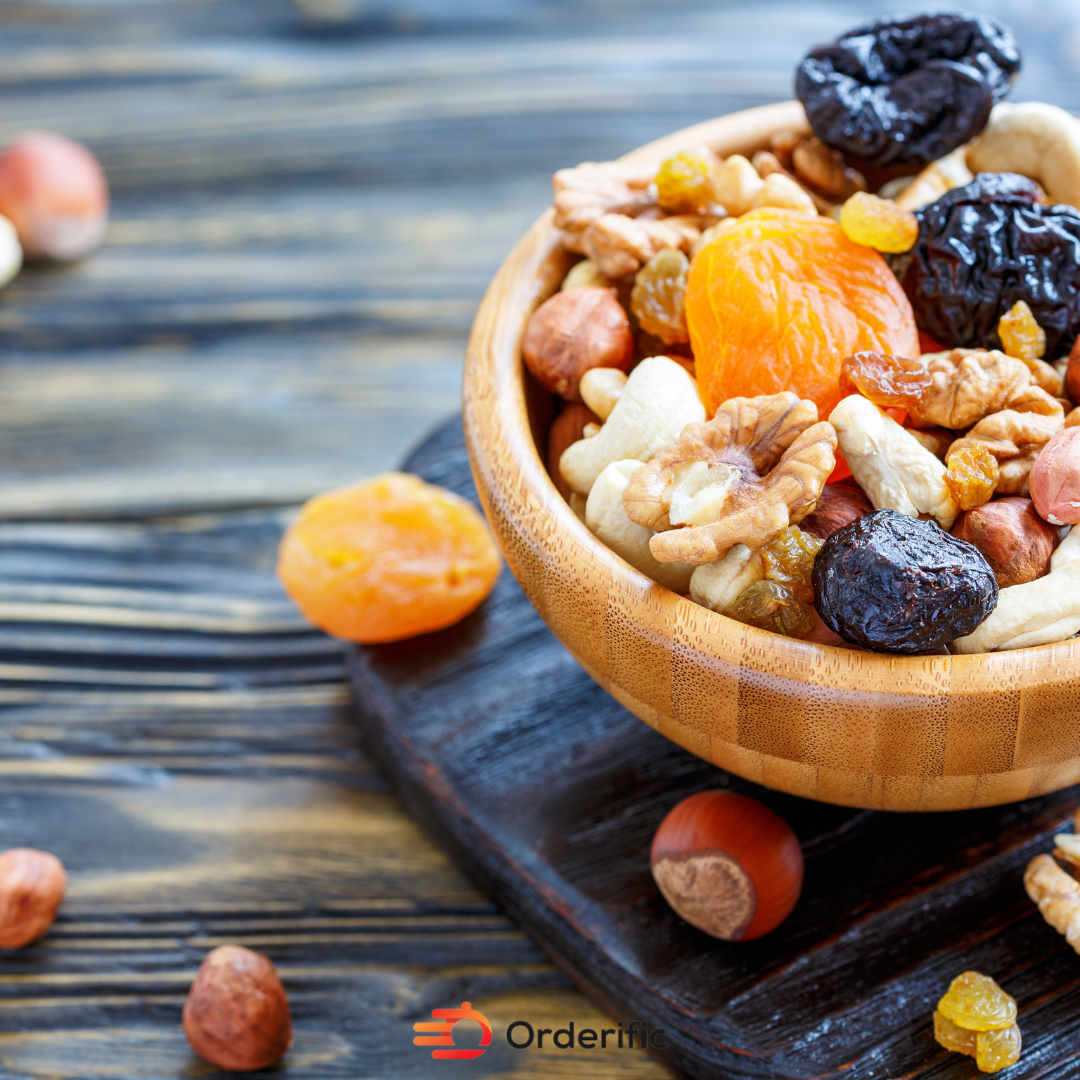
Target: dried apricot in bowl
388, 559
778, 300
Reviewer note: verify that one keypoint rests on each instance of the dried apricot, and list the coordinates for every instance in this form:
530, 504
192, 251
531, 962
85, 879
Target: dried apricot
977, 1003
387, 559
686, 183
887, 381
1021, 336
775, 303
972, 475
878, 223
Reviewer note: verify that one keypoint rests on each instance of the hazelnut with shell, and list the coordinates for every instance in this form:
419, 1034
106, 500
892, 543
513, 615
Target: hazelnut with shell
573, 332
1055, 479
54, 192
727, 865
237, 1015
32, 887
1013, 539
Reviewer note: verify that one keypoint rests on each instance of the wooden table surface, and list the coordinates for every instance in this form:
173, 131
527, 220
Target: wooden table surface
308, 200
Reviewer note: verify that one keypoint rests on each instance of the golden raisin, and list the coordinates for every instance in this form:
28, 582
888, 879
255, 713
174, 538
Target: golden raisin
977, 1003
895, 382
952, 1036
769, 605
789, 560
686, 183
658, 301
972, 476
1021, 336
878, 223
996, 1050
387, 559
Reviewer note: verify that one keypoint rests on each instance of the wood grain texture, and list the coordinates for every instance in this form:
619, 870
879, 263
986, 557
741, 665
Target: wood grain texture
848, 727
549, 792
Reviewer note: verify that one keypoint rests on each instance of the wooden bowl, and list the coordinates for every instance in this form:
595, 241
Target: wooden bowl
837, 725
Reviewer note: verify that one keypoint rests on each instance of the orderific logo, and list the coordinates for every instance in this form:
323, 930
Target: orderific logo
447, 1018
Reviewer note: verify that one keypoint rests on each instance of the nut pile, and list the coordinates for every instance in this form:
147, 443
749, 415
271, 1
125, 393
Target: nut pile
842, 414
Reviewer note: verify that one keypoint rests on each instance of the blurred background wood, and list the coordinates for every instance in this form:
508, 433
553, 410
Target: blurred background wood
308, 200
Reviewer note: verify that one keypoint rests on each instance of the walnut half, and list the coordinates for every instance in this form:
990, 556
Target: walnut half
741, 478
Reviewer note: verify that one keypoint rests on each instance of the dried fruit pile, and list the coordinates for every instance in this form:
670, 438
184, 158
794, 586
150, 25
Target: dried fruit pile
835, 409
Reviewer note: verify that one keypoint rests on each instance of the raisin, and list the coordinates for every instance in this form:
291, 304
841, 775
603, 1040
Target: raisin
907, 91
971, 476
686, 183
984, 246
658, 301
878, 223
769, 605
898, 584
837, 506
952, 1036
1021, 336
977, 1003
888, 381
789, 560
997, 1050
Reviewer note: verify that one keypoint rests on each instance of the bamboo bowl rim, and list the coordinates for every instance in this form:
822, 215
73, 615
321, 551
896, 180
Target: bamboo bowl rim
503, 453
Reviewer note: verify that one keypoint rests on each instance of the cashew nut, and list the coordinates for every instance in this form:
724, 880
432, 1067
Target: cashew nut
939, 176
718, 585
1035, 613
605, 516
891, 466
1036, 140
600, 388
659, 400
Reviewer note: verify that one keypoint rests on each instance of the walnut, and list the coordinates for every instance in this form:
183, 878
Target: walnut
768, 164
758, 466
621, 245
972, 383
1015, 439
822, 168
1057, 896
585, 193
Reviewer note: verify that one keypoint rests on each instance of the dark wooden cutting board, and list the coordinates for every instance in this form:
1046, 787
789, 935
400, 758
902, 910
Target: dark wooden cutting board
548, 793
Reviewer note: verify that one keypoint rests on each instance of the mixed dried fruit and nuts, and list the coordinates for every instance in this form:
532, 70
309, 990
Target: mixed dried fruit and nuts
842, 416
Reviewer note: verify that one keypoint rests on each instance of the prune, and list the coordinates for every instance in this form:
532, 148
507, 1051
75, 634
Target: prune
898, 584
658, 301
896, 382
981, 248
907, 91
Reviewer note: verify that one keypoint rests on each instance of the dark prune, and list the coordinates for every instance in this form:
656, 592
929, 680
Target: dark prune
898, 584
981, 248
907, 91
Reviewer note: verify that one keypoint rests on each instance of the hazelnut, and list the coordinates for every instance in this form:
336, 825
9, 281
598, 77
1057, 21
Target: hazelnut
727, 865
1055, 479
32, 887
839, 505
55, 194
237, 1015
1013, 539
568, 428
574, 331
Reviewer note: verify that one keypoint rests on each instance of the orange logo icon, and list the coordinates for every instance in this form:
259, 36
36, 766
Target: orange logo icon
448, 1018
